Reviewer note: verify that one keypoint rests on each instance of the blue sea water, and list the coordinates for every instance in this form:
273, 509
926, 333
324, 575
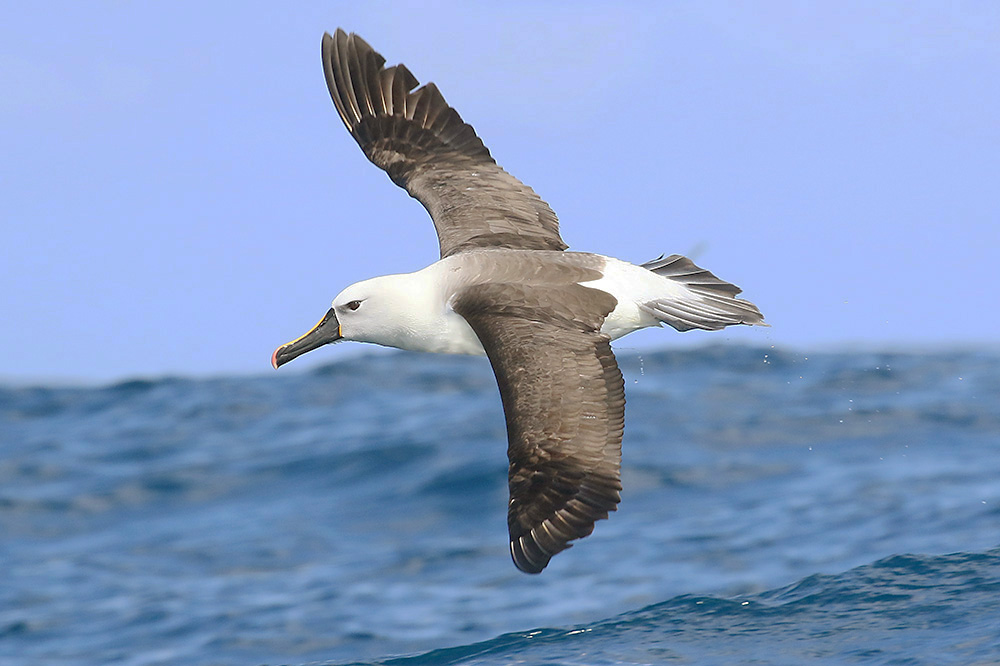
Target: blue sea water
780, 507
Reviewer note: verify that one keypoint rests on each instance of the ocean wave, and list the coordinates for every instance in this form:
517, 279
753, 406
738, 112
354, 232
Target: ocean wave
359, 509
912, 609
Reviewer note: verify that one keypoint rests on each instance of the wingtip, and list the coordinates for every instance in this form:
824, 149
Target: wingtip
339, 35
326, 48
523, 561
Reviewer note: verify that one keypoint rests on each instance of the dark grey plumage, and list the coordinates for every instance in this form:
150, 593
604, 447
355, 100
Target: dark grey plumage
564, 400
426, 148
716, 306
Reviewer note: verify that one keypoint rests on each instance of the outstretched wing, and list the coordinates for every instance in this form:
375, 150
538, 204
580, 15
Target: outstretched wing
426, 148
564, 400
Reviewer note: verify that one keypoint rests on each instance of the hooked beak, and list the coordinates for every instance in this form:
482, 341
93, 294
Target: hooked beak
323, 333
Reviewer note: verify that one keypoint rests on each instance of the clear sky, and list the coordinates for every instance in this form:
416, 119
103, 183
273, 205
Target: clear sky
178, 195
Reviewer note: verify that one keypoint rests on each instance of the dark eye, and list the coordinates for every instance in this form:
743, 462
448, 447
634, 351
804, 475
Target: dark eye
353, 305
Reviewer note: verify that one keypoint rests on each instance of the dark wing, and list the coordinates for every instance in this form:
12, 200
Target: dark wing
564, 400
426, 148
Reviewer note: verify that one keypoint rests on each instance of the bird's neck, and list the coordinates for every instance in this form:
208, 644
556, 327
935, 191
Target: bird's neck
425, 321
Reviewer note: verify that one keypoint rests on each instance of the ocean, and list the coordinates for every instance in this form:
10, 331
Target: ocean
780, 507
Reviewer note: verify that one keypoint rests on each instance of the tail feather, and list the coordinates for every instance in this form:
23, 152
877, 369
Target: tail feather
709, 303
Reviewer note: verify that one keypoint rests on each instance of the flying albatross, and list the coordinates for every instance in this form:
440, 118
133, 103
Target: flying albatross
504, 287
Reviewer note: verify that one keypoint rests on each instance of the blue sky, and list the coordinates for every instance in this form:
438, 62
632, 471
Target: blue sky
178, 195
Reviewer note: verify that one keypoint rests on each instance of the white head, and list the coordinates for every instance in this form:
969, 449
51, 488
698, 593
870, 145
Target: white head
387, 310
391, 310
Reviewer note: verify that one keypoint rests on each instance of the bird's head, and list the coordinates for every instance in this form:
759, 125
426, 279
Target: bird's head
376, 311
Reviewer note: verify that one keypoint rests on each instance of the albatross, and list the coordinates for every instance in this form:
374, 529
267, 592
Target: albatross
505, 287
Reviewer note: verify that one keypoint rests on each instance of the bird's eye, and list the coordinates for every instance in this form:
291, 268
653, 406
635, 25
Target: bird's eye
353, 305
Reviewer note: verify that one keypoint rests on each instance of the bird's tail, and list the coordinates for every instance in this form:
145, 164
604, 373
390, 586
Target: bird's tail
708, 302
